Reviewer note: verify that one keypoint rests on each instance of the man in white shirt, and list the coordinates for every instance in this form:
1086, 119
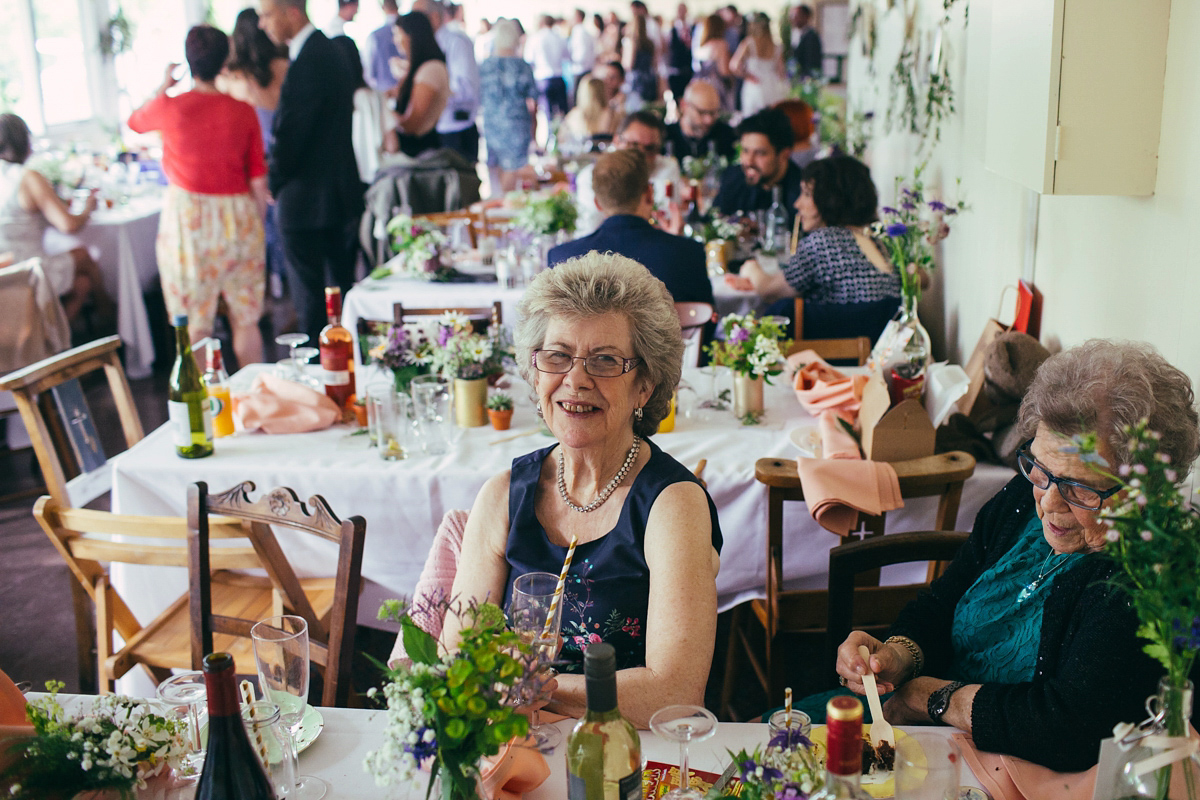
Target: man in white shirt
546, 51
644, 131
582, 46
380, 50
345, 13
456, 125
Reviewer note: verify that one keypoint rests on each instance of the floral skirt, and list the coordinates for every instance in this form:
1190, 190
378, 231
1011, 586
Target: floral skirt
211, 245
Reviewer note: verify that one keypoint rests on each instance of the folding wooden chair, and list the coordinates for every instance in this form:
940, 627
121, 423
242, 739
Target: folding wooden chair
481, 317
692, 319
849, 348
329, 608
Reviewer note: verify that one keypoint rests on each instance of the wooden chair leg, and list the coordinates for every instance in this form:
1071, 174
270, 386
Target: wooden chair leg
737, 618
85, 639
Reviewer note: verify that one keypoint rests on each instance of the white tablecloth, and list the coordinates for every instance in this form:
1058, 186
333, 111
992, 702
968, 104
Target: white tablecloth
349, 734
122, 240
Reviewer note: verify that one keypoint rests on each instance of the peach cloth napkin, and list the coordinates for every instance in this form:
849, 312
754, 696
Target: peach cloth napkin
820, 387
1011, 778
836, 441
837, 489
518, 768
277, 405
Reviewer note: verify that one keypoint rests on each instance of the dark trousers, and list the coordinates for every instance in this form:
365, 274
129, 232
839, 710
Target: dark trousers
464, 142
316, 258
554, 96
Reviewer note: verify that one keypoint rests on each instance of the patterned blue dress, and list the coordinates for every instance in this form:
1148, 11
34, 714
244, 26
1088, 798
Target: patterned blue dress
608, 588
829, 267
506, 82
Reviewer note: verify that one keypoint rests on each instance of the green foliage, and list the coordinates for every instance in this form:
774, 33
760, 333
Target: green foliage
545, 213
750, 346
499, 401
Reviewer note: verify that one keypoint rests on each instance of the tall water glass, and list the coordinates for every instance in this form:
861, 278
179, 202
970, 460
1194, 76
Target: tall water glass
281, 655
431, 399
927, 767
273, 744
394, 426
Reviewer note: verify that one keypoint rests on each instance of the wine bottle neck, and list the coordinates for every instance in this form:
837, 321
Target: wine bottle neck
183, 341
222, 693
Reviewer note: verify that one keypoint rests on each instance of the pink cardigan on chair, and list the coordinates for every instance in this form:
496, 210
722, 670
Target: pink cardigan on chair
437, 578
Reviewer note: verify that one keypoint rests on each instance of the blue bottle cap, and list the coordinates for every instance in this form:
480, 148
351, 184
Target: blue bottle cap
179, 320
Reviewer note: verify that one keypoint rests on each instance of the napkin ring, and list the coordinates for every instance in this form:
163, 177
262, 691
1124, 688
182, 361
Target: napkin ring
913, 649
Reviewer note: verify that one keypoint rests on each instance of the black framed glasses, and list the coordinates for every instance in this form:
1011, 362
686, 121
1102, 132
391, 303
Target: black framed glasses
1077, 494
598, 366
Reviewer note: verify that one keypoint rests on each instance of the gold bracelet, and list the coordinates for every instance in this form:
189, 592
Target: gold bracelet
913, 649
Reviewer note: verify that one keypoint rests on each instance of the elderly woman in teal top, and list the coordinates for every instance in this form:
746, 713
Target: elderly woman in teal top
1024, 642
599, 342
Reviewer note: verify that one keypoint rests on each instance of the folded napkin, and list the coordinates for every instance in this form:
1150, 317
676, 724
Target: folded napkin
518, 768
1011, 778
436, 581
820, 387
13, 723
837, 489
277, 405
836, 441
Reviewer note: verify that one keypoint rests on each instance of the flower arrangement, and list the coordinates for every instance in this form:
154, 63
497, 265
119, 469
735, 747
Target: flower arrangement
910, 232
547, 213
462, 353
499, 401
417, 247
453, 709
405, 350
788, 768
115, 746
751, 346
697, 168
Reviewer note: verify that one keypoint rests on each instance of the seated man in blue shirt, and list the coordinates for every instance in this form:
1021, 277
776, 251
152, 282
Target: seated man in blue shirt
621, 181
765, 162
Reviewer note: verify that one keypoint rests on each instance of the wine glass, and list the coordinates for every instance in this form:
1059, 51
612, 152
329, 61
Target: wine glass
281, 654
927, 767
291, 341
186, 695
684, 724
302, 356
536, 617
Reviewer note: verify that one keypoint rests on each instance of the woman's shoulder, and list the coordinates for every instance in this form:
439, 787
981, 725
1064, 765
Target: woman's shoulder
432, 73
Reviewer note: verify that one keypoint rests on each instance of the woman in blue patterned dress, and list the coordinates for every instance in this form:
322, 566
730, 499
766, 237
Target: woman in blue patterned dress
509, 104
599, 341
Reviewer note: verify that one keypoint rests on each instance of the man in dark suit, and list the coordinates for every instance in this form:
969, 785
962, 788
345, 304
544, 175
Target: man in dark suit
312, 173
621, 180
802, 45
765, 162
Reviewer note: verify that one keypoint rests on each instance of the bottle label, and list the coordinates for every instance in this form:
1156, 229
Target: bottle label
181, 423
337, 377
628, 788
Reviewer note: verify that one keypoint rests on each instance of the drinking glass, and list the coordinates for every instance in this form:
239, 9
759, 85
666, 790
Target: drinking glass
684, 724
927, 767
292, 341
536, 617
186, 697
281, 655
431, 401
391, 414
272, 744
377, 388
720, 388
302, 356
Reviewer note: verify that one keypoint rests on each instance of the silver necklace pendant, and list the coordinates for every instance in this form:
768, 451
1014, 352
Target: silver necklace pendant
1028, 591
1033, 585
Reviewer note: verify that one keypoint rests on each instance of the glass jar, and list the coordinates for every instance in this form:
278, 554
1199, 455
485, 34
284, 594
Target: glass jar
1169, 711
273, 744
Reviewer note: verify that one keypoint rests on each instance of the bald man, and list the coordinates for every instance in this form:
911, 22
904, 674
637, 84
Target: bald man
699, 124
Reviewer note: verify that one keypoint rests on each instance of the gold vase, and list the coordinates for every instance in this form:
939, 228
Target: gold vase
747, 395
469, 399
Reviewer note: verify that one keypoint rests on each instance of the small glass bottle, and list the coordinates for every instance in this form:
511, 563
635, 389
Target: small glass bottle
777, 234
843, 751
188, 407
216, 379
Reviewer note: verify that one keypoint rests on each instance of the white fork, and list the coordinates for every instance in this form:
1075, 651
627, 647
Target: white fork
881, 729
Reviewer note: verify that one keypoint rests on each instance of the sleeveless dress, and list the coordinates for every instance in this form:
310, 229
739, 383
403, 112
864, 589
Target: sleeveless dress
766, 89
607, 591
21, 231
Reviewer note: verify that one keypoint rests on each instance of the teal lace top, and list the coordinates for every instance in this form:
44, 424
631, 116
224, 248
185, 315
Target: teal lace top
995, 637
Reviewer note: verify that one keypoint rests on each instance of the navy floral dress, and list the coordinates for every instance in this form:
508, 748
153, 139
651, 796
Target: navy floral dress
607, 591
506, 82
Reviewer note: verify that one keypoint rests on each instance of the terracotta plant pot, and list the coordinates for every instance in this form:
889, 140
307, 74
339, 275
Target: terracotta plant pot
501, 420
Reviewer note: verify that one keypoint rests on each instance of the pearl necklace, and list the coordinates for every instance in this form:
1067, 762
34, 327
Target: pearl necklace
630, 457
1033, 585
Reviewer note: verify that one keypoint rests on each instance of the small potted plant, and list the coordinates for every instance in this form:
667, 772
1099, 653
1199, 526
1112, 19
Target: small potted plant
500, 410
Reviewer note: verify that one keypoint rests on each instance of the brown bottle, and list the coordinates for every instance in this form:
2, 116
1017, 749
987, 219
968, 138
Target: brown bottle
337, 351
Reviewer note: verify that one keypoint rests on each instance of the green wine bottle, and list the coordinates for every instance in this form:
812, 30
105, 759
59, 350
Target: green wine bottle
604, 753
188, 404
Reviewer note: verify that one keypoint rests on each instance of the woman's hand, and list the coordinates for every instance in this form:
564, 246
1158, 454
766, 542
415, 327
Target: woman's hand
739, 282
909, 705
169, 78
890, 663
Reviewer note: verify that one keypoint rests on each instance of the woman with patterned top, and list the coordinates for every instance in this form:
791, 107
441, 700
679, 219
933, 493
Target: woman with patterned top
599, 342
837, 262
509, 102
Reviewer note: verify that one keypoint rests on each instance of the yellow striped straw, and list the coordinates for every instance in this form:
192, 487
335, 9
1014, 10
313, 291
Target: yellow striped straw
787, 704
558, 590
248, 698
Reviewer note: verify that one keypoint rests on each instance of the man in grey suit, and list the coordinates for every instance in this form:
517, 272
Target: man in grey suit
312, 172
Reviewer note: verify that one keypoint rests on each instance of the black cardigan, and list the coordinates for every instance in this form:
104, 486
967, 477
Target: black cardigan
1091, 672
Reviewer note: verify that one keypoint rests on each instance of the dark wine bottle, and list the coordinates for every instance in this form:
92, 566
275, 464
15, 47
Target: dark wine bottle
232, 770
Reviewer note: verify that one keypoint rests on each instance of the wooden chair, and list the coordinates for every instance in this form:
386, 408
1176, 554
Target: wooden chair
481, 317
693, 317
89, 541
806, 611
331, 611
442, 219
857, 608
850, 348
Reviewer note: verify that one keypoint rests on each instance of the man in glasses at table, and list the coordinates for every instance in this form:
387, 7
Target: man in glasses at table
644, 131
700, 126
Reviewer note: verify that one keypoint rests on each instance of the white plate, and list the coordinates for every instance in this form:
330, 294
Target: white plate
807, 440
311, 725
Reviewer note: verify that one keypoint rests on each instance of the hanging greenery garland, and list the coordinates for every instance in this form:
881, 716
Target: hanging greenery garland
116, 36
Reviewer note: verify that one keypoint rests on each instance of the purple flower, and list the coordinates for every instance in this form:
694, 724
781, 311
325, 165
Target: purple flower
937, 205
789, 738
890, 210
908, 205
739, 335
791, 791
444, 335
1187, 640
422, 749
897, 229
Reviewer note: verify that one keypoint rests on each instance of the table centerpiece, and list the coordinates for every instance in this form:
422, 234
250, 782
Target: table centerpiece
788, 767
112, 748
469, 359
752, 348
405, 351
500, 411
1154, 538
455, 709
418, 246
549, 217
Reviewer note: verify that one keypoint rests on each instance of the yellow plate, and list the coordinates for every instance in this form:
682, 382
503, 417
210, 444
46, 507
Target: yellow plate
876, 784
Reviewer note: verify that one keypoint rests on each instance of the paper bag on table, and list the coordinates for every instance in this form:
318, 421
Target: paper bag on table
975, 403
893, 434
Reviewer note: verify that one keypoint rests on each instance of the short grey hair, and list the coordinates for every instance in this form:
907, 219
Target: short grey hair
505, 35
600, 283
1102, 386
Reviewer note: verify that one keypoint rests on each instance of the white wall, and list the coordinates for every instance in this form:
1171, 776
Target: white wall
1123, 267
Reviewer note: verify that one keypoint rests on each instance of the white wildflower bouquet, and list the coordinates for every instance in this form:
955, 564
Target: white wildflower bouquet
751, 346
417, 246
462, 353
116, 745
546, 213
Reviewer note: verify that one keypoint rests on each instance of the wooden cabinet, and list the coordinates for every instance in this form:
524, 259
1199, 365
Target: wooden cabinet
1075, 91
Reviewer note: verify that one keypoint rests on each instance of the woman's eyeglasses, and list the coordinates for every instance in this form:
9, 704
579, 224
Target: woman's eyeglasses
1077, 494
598, 366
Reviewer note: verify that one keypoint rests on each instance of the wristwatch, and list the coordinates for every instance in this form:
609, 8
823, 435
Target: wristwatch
939, 701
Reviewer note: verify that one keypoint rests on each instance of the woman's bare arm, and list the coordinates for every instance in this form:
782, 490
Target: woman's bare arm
36, 193
422, 112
